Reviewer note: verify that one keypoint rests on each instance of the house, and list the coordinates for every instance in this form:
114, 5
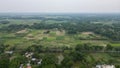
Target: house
105, 66
33, 59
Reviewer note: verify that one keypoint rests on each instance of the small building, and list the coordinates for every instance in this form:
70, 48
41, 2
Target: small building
28, 55
33, 59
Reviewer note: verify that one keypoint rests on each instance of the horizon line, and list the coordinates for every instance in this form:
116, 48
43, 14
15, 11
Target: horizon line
59, 12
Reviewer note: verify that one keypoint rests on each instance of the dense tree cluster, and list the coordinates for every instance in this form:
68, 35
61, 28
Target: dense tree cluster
13, 28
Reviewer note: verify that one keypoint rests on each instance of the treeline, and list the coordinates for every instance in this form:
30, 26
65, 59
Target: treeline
13, 28
4, 22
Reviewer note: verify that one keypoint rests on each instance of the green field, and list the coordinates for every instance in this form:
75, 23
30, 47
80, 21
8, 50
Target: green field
54, 38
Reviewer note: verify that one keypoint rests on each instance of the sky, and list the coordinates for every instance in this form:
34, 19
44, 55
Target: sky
61, 6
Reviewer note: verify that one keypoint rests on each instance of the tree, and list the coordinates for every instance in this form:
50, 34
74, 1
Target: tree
2, 48
49, 61
67, 62
78, 56
109, 47
15, 63
4, 61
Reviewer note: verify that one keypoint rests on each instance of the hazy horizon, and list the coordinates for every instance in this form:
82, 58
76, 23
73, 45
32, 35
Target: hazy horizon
59, 6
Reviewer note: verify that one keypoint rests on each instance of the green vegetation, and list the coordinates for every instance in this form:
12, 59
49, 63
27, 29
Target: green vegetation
59, 41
